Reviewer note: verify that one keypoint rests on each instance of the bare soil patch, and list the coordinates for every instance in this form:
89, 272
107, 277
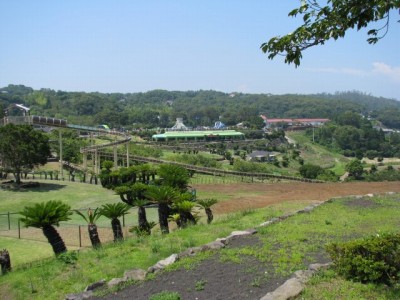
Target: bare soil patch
247, 195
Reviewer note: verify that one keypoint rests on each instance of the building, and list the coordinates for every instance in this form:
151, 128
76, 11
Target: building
294, 122
207, 135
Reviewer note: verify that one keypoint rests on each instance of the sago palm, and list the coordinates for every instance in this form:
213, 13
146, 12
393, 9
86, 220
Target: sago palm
206, 204
113, 212
45, 216
184, 207
91, 218
163, 196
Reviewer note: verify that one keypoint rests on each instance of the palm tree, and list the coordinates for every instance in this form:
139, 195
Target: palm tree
133, 195
113, 212
46, 215
206, 204
91, 219
184, 207
164, 196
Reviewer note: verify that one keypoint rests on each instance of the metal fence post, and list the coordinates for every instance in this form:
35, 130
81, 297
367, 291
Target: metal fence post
9, 223
19, 229
80, 236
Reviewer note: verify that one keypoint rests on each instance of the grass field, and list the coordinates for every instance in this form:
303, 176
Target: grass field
298, 239
319, 155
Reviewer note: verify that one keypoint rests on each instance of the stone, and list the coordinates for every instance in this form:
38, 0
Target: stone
189, 252
116, 281
212, 246
317, 267
163, 263
369, 195
252, 230
222, 240
290, 289
135, 275
80, 296
96, 285
265, 223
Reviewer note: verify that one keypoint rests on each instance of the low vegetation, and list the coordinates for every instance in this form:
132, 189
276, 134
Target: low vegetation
288, 246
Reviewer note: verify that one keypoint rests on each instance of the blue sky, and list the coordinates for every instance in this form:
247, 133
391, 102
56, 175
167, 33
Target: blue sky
136, 46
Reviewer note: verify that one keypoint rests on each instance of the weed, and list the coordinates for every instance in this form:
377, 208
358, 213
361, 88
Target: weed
199, 286
165, 295
256, 282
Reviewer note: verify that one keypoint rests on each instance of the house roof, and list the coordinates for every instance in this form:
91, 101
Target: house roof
210, 133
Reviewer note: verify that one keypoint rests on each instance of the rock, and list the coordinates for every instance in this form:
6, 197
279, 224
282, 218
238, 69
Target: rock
369, 195
222, 240
212, 246
189, 252
303, 275
290, 289
80, 296
317, 267
96, 285
135, 275
116, 281
265, 223
240, 233
163, 263
252, 230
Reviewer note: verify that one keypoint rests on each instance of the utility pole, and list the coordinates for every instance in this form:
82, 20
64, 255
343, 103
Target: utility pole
61, 156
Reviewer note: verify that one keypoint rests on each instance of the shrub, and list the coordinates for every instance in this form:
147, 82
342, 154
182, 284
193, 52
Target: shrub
372, 259
310, 171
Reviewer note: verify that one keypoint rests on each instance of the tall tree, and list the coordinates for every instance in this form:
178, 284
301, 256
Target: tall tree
46, 215
330, 21
22, 147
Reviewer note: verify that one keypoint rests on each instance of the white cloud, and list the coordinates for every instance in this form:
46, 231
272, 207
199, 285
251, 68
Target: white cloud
386, 70
378, 68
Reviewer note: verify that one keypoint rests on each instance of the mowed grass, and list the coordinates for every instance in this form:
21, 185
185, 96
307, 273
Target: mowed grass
288, 245
77, 195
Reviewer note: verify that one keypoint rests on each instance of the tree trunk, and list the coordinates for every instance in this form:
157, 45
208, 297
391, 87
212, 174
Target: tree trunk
142, 220
94, 235
210, 215
17, 176
163, 212
117, 230
54, 239
5, 261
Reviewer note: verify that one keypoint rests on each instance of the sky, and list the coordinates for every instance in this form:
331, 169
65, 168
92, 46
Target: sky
133, 46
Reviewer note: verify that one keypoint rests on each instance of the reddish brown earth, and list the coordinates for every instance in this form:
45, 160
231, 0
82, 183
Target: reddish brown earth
244, 196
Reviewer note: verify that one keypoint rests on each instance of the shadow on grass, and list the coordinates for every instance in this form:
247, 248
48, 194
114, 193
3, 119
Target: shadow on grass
32, 186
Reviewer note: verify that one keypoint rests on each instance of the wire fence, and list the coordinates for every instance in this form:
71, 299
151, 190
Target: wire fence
72, 234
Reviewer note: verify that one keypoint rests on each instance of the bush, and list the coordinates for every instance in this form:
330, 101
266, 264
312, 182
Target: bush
311, 171
373, 259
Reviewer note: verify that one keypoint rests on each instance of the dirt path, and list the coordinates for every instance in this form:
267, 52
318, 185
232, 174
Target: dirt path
244, 196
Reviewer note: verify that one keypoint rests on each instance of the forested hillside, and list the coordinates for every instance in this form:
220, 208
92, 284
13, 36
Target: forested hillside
160, 108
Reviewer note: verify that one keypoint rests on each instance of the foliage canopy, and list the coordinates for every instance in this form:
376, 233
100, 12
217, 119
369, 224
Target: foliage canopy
330, 21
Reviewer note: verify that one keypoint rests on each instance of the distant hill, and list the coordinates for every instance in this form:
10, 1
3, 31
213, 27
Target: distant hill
160, 108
